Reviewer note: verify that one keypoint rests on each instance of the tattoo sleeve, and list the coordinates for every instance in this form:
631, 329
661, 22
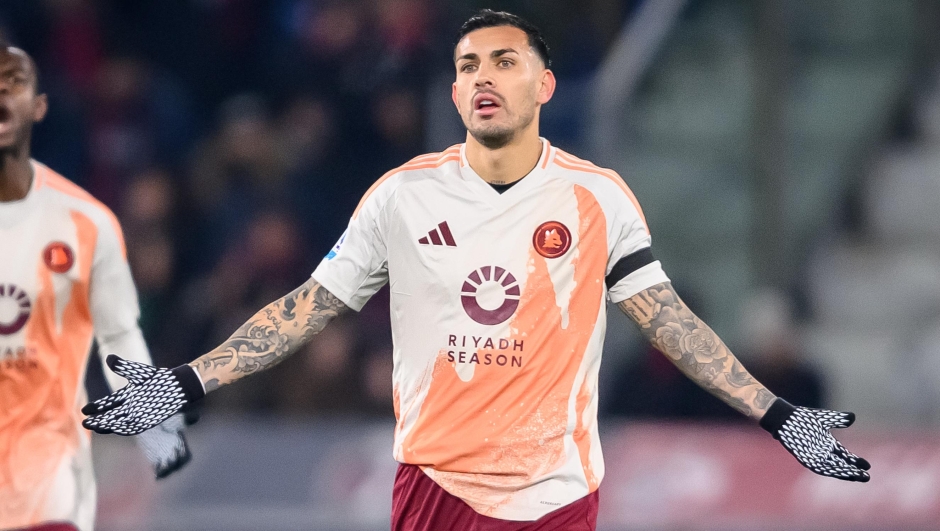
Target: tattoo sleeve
695, 349
270, 336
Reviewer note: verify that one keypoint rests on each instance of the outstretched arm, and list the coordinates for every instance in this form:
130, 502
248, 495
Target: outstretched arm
153, 394
699, 353
271, 335
695, 349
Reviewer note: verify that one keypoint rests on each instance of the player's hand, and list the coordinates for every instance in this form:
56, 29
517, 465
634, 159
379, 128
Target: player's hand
151, 396
804, 432
165, 446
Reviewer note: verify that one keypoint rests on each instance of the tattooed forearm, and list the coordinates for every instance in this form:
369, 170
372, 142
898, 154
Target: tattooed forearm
271, 335
695, 349
738, 376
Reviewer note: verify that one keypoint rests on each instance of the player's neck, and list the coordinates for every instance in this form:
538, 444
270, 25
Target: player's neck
506, 164
16, 174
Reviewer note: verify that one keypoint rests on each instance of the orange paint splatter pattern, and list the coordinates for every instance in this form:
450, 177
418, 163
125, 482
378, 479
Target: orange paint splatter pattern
485, 439
39, 420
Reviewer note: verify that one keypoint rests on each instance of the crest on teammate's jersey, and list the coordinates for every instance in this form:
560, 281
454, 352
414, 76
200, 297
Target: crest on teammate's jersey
552, 239
58, 257
336, 248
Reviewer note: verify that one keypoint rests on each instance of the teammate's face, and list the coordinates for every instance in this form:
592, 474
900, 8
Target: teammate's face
501, 82
20, 105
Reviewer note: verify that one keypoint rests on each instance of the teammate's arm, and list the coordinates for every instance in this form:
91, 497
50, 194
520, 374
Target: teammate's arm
115, 313
271, 335
699, 353
695, 349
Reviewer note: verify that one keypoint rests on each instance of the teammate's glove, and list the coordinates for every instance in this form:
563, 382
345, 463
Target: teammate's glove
804, 432
151, 396
165, 446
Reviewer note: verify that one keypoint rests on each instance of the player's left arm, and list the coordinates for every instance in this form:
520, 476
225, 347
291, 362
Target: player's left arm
695, 349
701, 355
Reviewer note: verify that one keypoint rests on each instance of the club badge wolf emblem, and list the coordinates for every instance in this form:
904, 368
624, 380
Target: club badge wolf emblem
58, 257
552, 239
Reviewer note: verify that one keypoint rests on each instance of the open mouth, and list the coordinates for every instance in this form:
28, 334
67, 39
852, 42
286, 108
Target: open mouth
6, 119
486, 104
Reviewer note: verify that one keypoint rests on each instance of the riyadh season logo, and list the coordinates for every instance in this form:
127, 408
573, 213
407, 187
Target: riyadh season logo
490, 295
336, 248
15, 308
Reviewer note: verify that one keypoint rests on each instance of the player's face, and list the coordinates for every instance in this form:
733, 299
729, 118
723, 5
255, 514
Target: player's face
501, 82
20, 106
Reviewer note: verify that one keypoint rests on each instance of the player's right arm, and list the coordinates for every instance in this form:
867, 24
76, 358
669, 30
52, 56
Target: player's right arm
347, 277
153, 394
271, 335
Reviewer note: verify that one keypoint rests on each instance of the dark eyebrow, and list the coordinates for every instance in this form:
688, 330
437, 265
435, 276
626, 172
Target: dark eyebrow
504, 51
494, 54
12, 69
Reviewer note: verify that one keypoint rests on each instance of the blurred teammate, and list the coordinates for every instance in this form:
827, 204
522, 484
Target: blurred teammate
64, 280
499, 253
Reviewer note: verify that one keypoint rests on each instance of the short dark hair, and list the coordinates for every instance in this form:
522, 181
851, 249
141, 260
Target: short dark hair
487, 18
5, 45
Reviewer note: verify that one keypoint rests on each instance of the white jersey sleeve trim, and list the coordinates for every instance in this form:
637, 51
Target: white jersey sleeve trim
641, 279
347, 297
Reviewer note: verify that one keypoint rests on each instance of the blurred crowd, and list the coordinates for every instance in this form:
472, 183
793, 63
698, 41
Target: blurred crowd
233, 138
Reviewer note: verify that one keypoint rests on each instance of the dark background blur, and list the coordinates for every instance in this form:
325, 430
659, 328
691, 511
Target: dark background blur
785, 153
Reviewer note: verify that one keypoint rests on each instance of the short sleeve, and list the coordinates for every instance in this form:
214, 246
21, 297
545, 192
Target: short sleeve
631, 267
357, 266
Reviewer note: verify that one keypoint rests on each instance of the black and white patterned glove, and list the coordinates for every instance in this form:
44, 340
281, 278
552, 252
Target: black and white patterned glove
151, 396
804, 432
165, 446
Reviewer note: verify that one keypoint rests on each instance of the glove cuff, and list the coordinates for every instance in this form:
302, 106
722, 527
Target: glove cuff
776, 415
190, 382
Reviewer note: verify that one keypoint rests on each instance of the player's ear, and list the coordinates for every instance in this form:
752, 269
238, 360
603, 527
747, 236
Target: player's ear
546, 87
40, 107
453, 95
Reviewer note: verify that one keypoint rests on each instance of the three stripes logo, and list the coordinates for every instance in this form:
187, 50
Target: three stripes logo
439, 236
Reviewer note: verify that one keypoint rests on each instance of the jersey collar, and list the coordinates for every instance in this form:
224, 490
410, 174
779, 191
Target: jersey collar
533, 178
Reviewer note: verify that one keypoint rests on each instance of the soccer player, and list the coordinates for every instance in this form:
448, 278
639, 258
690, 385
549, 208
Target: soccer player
64, 280
500, 253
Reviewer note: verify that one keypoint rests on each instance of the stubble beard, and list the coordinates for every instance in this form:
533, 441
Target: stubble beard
498, 136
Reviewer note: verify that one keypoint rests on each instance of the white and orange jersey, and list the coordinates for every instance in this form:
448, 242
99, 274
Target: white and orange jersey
498, 318
64, 280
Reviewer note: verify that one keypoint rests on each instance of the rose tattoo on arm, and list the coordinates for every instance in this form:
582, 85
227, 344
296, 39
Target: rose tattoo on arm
695, 349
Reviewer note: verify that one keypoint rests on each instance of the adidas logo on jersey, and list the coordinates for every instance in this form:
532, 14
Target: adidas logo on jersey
439, 236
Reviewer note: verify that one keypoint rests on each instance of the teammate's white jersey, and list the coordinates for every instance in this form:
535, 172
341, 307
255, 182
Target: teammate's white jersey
498, 318
64, 279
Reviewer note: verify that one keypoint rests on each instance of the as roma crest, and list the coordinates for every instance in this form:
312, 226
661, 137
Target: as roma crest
59, 257
552, 239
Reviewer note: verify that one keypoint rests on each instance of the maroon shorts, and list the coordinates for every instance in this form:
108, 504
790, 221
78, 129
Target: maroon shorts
57, 526
420, 504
